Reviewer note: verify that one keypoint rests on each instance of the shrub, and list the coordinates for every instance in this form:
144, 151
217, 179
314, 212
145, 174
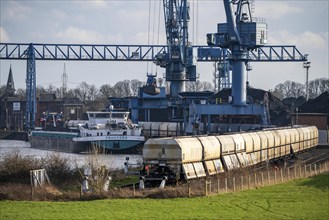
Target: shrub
58, 168
16, 168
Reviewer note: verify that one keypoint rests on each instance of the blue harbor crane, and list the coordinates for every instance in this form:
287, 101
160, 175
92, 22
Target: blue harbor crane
178, 59
240, 34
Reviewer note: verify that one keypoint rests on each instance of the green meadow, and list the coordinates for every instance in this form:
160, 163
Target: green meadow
299, 199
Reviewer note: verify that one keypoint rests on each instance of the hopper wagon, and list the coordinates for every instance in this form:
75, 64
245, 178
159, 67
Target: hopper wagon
184, 158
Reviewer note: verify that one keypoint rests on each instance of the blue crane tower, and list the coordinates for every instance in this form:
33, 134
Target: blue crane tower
178, 60
240, 34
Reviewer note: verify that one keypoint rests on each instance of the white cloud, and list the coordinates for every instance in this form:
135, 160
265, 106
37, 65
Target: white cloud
275, 10
16, 11
4, 37
74, 34
59, 14
307, 39
79, 35
98, 4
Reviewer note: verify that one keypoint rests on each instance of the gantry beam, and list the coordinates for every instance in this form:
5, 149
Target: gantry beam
90, 52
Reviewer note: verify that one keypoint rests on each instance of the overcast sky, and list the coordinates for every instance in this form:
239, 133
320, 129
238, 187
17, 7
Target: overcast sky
303, 23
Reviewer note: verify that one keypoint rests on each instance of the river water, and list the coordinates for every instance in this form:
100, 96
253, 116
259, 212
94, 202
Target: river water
111, 161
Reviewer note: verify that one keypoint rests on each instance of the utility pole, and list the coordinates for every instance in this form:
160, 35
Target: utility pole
307, 66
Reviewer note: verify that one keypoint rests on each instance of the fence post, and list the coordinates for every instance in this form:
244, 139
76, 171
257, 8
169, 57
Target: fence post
241, 182
248, 181
233, 183
189, 190
310, 170
206, 185
262, 174
281, 176
315, 172
225, 184
325, 166
300, 171
274, 176
305, 170
31, 179
295, 172
255, 176
268, 178
218, 183
288, 168
134, 192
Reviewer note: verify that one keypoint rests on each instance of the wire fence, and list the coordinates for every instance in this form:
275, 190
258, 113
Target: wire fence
240, 182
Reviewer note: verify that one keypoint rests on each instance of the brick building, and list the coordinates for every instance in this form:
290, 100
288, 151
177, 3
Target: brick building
12, 107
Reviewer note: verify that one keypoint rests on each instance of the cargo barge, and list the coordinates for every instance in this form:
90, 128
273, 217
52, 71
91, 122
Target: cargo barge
57, 141
111, 131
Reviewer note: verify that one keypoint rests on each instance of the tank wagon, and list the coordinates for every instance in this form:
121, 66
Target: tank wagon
183, 158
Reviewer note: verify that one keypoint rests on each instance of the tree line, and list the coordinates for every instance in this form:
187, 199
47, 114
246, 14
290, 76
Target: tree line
89, 93
95, 97
294, 89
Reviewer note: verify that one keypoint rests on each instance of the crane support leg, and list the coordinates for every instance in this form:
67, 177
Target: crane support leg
30, 89
239, 83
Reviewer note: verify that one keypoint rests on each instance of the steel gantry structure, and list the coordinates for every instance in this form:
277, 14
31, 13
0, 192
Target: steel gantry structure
178, 57
134, 53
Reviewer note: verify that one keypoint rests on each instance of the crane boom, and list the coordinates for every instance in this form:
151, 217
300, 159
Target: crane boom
178, 60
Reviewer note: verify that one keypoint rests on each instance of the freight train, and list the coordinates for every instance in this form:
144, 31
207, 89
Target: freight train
183, 158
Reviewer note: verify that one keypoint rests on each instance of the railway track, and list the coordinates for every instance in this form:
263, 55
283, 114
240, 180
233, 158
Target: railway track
316, 155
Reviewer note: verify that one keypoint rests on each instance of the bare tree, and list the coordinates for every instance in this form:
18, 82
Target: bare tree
135, 85
290, 89
317, 87
122, 88
40, 89
21, 93
51, 89
92, 94
194, 86
207, 86
2, 90
107, 90
82, 91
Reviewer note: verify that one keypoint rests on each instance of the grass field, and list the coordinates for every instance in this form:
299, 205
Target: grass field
299, 199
